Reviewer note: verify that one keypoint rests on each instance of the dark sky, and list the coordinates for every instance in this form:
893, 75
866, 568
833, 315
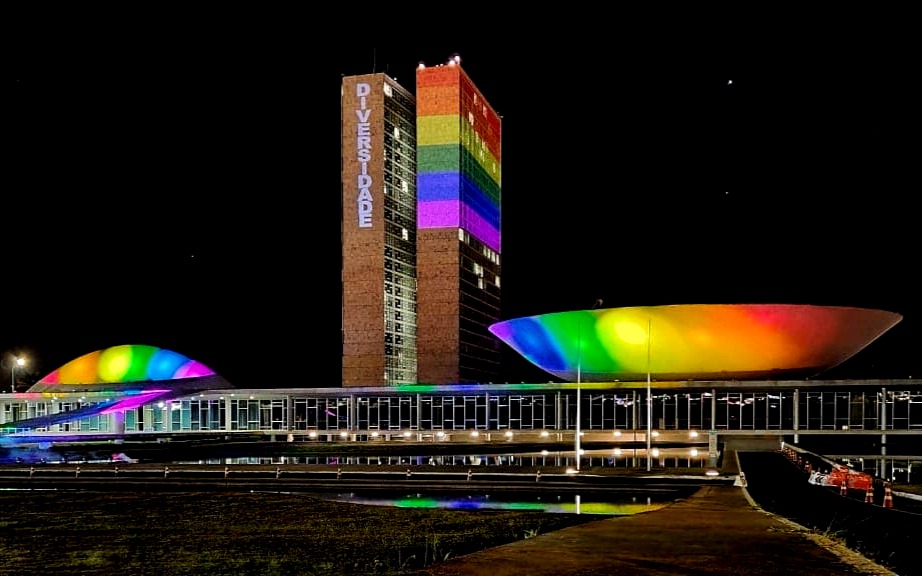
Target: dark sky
188, 200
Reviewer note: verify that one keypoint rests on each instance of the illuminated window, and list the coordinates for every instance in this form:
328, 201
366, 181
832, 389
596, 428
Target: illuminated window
387, 90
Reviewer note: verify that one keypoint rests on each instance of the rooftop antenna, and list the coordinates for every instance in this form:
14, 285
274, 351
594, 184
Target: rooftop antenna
374, 60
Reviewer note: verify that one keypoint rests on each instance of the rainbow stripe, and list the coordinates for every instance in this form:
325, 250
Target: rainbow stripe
458, 155
127, 363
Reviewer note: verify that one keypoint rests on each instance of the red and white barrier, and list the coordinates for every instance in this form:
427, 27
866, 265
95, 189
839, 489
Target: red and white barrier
888, 496
869, 494
843, 487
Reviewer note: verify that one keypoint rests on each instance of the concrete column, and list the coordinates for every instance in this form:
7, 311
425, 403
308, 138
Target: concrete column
289, 412
118, 422
883, 422
713, 408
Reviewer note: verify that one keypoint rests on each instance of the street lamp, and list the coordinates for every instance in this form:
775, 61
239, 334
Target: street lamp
649, 396
579, 369
20, 362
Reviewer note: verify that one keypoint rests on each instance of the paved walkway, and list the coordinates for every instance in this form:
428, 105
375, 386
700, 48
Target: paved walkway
718, 531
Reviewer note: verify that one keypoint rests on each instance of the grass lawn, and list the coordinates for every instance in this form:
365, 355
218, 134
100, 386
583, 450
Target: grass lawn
241, 533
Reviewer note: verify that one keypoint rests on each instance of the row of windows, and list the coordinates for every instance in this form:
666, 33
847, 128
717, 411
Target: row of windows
402, 256
469, 103
478, 246
403, 173
399, 218
400, 305
470, 279
398, 233
834, 410
401, 98
398, 237
399, 152
400, 268
404, 281
398, 126
399, 358
399, 341
405, 286
400, 327
405, 149
401, 198
400, 291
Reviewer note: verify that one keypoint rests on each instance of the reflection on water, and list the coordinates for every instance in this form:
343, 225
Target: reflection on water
661, 458
619, 505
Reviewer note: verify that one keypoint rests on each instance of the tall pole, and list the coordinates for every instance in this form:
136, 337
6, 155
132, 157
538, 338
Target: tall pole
579, 375
579, 378
649, 398
20, 361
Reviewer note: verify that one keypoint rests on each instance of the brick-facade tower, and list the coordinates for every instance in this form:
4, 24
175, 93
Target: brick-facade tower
378, 232
458, 228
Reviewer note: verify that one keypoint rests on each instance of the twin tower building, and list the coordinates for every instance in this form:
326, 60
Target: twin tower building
421, 191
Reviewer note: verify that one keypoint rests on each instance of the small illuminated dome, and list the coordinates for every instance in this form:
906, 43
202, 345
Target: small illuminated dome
121, 367
694, 342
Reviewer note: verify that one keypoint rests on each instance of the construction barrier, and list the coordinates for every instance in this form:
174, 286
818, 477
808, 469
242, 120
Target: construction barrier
843, 490
888, 496
869, 494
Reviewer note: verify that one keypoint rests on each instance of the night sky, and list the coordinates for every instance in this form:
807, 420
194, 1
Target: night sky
188, 201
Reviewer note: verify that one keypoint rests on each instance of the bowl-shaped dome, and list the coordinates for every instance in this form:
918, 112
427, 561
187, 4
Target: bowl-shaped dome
694, 341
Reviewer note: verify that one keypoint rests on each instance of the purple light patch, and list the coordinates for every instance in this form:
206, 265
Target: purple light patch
438, 214
193, 369
134, 401
480, 228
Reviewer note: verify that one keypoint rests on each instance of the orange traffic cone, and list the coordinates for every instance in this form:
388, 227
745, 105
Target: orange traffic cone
888, 496
869, 494
843, 488
807, 467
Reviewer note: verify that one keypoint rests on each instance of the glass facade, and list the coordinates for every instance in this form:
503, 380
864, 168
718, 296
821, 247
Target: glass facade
858, 407
399, 236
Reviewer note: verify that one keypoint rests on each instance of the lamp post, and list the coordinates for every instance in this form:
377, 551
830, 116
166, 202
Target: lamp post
20, 362
579, 369
579, 377
649, 397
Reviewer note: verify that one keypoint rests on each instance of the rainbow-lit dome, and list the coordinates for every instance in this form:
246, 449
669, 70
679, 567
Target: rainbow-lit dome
118, 365
694, 341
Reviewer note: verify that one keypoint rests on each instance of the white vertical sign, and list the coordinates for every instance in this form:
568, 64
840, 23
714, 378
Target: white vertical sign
363, 153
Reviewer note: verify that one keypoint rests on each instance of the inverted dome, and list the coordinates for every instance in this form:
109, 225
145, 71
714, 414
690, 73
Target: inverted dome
694, 341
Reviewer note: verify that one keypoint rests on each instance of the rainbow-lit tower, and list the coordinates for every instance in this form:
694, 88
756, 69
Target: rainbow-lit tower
458, 227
